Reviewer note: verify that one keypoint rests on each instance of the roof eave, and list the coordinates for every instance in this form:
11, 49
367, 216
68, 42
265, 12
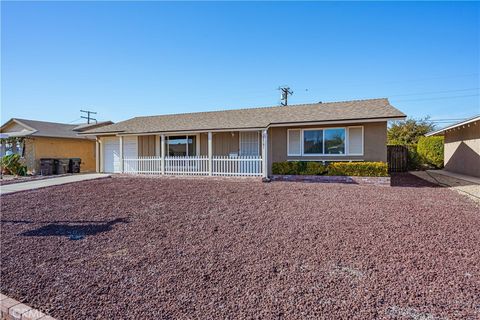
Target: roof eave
441, 132
354, 120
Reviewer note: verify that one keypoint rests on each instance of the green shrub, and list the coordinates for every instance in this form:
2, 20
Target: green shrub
282, 168
11, 164
366, 169
430, 150
363, 169
414, 162
298, 168
314, 168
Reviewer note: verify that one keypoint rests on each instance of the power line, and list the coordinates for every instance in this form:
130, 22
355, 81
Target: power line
75, 120
434, 78
441, 98
430, 92
356, 84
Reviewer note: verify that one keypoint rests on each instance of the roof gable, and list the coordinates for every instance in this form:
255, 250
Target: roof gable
15, 126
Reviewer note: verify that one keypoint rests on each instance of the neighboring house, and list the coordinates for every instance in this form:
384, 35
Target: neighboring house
50, 140
462, 146
246, 141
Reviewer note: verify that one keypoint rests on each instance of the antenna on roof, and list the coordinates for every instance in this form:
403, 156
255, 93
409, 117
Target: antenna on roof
285, 91
88, 117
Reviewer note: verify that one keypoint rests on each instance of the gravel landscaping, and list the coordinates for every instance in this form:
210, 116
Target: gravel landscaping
159, 248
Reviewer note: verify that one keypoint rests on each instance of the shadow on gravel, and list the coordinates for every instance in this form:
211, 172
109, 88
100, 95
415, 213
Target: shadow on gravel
73, 232
56, 221
409, 180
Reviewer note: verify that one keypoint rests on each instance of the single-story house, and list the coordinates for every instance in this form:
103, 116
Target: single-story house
246, 141
49, 140
462, 146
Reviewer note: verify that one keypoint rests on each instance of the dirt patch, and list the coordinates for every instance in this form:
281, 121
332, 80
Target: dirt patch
135, 248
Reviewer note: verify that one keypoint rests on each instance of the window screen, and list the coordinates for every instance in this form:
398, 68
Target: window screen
355, 140
249, 143
294, 143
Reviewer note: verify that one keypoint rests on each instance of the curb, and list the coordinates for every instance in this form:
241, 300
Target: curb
11, 309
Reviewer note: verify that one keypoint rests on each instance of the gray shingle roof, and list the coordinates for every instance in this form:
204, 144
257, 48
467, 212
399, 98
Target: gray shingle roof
256, 117
51, 129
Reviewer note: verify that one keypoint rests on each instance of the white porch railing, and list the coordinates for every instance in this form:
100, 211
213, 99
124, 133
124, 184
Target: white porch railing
198, 165
237, 166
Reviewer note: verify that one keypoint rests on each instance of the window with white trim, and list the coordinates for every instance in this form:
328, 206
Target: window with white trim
294, 144
313, 141
325, 141
334, 141
181, 146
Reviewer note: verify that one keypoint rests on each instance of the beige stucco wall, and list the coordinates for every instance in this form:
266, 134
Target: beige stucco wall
375, 143
63, 148
462, 150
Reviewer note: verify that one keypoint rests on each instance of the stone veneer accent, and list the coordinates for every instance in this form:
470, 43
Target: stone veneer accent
381, 181
14, 310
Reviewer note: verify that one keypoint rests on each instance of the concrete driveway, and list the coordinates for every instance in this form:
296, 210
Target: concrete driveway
467, 185
22, 186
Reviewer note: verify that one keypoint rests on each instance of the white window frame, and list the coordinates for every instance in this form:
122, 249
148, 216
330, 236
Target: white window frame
288, 143
197, 144
302, 142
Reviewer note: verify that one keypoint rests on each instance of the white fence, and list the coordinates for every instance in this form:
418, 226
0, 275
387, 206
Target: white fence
196, 166
199, 165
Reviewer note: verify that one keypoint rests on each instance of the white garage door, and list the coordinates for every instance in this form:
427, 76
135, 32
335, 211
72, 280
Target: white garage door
111, 155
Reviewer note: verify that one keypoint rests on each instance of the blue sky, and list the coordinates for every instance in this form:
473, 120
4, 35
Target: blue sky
125, 59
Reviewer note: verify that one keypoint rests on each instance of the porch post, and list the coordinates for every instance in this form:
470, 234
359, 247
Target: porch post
97, 155
162, 160
265, 153
102, 155
210, 152
121, 154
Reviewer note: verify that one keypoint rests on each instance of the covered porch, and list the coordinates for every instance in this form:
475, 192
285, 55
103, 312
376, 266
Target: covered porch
212, 153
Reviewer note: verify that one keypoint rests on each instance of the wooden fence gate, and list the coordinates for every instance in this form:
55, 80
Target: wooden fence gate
397, 158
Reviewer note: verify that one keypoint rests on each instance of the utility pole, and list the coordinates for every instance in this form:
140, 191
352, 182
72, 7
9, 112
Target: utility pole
285, 91
88, 117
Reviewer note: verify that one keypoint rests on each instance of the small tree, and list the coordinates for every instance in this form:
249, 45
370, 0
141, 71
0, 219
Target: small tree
407, 132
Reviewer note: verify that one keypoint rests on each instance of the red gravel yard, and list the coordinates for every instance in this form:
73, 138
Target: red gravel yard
163, 248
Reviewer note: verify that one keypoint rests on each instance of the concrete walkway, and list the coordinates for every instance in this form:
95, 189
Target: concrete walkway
458, 176
467, 185
22, 186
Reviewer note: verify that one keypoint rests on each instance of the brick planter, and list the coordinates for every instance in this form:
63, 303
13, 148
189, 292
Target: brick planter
14, 310
381, 181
